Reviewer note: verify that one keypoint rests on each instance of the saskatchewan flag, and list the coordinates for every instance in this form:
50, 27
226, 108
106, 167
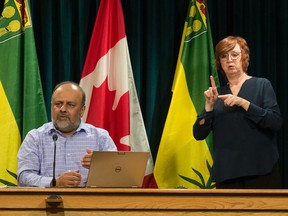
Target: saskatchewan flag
21, 98
181, 160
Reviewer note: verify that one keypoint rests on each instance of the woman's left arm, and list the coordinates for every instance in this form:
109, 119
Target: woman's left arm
268, 114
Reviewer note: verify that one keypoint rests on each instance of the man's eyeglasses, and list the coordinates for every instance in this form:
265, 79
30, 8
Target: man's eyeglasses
233, 56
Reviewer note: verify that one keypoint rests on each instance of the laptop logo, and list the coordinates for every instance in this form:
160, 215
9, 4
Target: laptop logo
118, 169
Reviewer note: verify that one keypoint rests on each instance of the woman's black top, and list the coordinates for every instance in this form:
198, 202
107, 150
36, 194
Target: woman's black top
244, 142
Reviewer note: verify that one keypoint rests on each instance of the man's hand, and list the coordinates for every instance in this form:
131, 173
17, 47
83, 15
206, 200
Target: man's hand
70, 178
86, 159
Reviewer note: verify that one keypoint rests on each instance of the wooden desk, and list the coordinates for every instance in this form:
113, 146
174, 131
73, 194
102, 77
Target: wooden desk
100, 201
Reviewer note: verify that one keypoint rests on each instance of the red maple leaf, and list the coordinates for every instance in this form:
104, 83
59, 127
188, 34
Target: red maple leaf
100, 114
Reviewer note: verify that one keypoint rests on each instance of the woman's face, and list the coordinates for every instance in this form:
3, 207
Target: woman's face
231, 61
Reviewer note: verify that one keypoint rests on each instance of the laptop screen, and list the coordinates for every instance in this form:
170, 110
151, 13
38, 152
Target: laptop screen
117, 169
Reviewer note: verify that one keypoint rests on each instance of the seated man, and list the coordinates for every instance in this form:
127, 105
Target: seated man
74, 141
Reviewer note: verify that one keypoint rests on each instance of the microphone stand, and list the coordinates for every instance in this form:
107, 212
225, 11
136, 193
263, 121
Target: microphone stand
55, 137
54, 201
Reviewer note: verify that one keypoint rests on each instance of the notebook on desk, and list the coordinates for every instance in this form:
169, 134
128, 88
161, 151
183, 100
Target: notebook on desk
117, 169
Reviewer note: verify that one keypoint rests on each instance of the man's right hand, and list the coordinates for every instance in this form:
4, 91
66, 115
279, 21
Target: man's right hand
70, 178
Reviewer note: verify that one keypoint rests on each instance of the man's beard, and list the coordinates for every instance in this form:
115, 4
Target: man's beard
66, 126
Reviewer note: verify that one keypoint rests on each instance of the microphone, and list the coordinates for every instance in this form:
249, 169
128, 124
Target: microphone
55, 137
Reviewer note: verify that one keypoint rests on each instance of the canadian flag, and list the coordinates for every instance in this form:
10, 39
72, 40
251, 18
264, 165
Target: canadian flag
107, 79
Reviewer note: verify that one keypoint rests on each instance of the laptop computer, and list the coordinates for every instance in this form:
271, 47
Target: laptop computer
117, 169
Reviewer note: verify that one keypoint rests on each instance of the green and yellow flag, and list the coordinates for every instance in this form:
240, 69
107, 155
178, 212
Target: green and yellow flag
181, 160
22, 104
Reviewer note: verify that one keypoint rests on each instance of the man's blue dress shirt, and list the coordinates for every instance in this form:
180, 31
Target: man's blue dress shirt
36, 154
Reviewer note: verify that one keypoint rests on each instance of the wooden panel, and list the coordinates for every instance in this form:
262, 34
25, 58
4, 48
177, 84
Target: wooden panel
92, 201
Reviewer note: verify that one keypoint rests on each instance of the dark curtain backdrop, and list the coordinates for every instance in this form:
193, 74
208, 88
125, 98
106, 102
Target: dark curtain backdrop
154, 28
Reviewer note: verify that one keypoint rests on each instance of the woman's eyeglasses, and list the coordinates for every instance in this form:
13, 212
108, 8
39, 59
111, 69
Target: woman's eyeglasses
232, 55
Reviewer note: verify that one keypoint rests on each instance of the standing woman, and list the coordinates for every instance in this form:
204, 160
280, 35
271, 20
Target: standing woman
244, 116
